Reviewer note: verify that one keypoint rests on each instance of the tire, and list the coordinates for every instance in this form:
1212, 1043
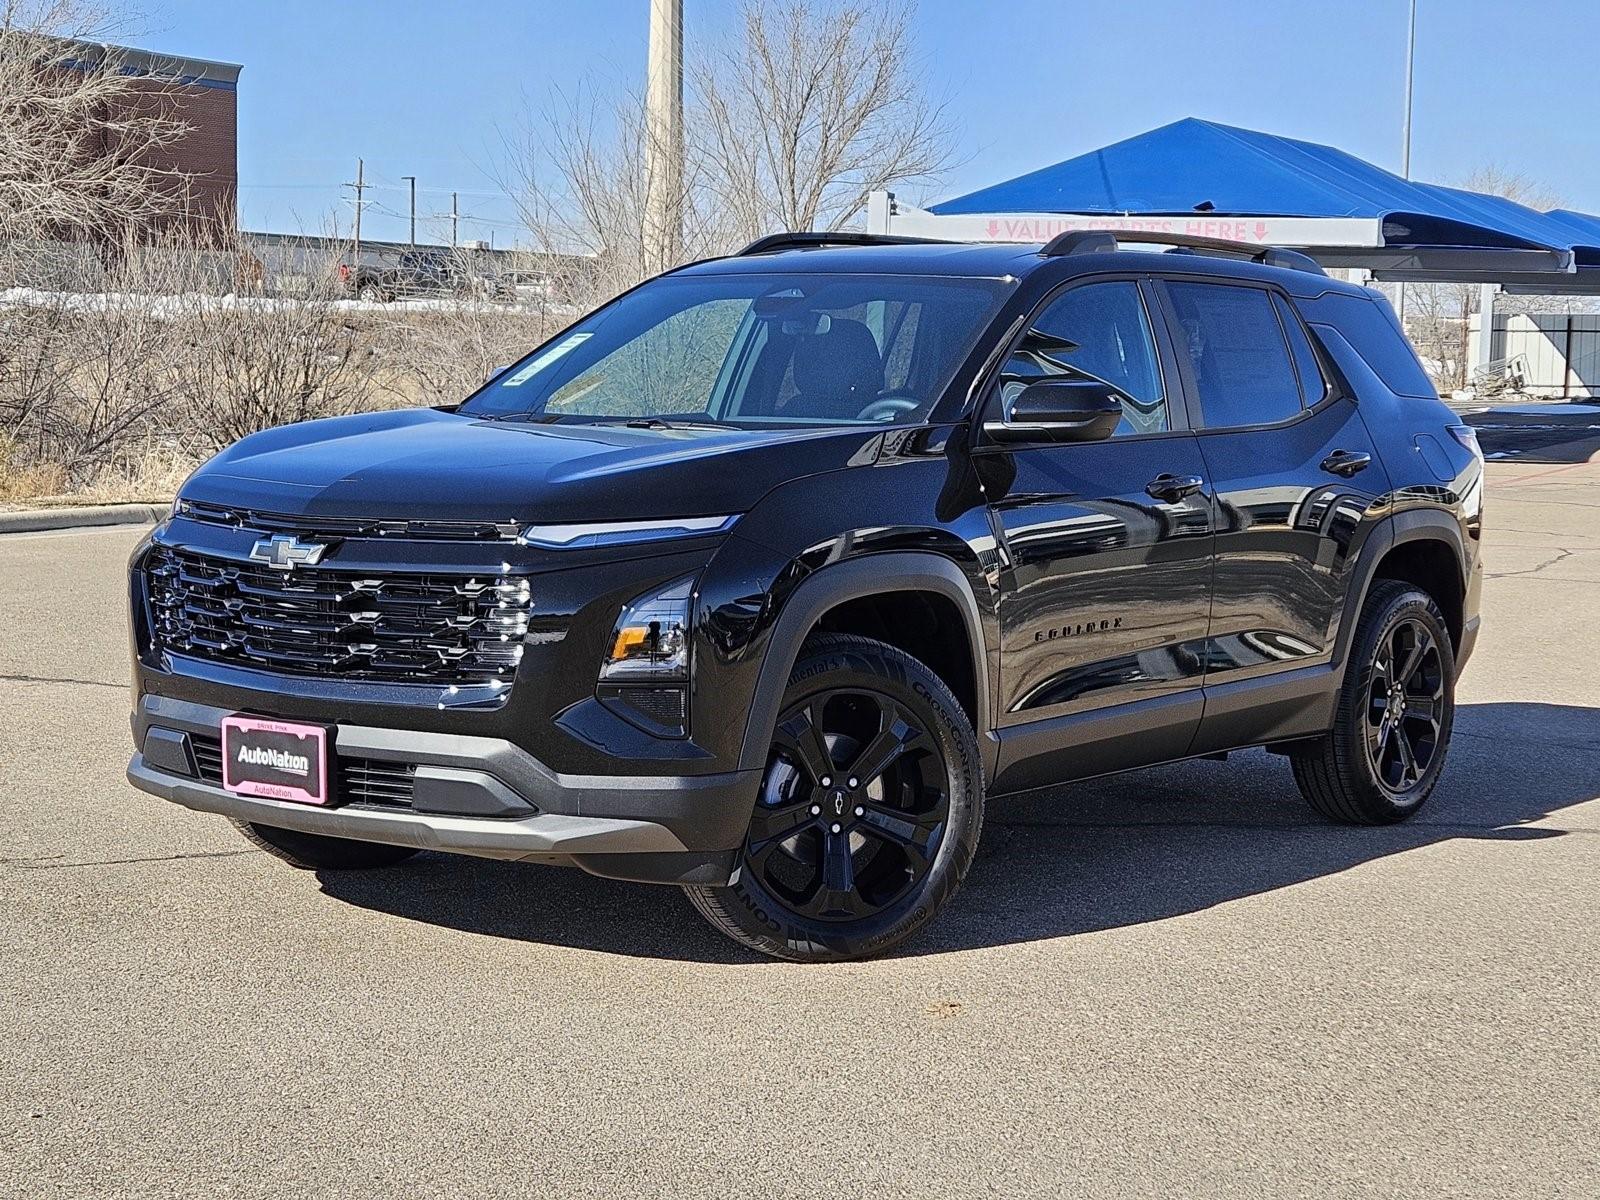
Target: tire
849, 870
1374, 768
315, 852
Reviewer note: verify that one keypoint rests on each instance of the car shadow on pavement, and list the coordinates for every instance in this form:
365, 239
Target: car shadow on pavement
1107, 853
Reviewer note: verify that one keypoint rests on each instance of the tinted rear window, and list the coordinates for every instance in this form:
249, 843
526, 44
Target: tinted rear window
1242, 368
1370, 326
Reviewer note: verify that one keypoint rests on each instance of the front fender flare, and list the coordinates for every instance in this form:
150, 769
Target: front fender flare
873, 574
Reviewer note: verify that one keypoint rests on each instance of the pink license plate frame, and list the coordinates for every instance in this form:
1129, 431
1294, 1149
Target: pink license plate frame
313, 738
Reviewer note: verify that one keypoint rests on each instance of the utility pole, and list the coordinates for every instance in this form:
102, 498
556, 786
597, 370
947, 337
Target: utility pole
663, 149
360, 186
455, 218
412, 179
1405, 135
1411, 66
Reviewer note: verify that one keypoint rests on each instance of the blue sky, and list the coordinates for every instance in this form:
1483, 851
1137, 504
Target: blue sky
426, 89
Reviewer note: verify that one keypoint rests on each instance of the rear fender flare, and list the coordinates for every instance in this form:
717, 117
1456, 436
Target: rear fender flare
1411, 525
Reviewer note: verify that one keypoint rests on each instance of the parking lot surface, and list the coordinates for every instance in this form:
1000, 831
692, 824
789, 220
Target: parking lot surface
1176, 981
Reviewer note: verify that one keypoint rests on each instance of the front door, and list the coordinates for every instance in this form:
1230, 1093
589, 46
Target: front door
1104, 549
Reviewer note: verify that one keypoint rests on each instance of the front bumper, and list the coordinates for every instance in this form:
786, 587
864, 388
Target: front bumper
479, 796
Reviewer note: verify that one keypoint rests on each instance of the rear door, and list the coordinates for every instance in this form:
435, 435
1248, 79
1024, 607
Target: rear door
1105, 547
1294, 471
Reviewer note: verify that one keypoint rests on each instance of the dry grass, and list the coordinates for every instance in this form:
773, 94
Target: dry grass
133, 475
115, 388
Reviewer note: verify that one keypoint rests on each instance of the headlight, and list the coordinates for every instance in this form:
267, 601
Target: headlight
616, 533
644, 678
650, 643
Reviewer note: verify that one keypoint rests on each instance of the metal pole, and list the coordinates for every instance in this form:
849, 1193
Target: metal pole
412, 179
663, 163
1486, 294
1566, 363
1411, 65
455, 218
1405, 132
361, 184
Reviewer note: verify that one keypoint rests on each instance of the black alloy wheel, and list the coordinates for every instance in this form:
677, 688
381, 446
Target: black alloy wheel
1405, 706
852, 806
1383, 756
868, 812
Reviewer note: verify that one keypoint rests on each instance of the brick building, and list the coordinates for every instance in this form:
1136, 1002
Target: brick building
204, 96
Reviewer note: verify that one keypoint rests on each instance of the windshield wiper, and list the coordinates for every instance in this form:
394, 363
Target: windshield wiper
546, 418
529, 417
675, 421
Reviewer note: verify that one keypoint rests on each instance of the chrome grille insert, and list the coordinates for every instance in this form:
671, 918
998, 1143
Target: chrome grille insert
352, 527
451, 630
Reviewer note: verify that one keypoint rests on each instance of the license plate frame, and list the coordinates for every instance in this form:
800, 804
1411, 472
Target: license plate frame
276, 760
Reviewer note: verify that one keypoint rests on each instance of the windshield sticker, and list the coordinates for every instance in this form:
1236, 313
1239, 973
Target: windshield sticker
557, 352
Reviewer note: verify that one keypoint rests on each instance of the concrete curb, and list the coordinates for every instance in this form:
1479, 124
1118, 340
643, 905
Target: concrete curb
33, 520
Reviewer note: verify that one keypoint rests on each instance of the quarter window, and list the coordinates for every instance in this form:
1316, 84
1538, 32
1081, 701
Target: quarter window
1242, 367
1313, 387
1098, 331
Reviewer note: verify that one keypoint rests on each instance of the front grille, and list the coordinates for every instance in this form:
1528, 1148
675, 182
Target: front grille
393, 628
207, 756
368, 782
374, 782
352, 527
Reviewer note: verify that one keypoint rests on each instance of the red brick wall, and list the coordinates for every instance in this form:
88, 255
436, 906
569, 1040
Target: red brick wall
208, 153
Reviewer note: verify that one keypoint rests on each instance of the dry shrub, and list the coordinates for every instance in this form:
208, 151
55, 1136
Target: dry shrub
180, 349
120, 375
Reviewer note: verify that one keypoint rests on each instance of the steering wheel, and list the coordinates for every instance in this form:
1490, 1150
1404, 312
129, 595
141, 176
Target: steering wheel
890, 405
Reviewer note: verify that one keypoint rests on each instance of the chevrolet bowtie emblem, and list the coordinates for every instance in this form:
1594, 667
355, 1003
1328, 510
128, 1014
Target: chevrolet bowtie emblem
285, 552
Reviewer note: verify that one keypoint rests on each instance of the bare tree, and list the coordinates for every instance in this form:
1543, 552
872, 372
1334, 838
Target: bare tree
80, 138
1439, 314
793, 119
815, 106
577, 172
1496, 180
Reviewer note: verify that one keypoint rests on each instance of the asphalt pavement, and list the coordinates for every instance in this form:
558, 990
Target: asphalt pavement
1178, 981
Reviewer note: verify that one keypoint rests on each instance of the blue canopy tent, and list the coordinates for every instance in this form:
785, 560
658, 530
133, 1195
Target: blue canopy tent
1217, 180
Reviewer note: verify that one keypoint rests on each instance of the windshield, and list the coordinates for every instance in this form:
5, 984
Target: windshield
761, 349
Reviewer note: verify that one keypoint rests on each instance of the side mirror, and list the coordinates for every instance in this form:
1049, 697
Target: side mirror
1059, 410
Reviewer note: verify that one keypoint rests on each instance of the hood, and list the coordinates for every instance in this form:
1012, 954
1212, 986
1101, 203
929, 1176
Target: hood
424, 463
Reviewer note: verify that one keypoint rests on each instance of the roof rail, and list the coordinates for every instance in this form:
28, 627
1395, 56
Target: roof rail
1099, 241
811, 241
1080, 241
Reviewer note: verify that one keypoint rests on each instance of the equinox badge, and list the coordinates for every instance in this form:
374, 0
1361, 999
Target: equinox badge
285, 552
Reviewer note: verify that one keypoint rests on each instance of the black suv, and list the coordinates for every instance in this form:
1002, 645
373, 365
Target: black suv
762, 577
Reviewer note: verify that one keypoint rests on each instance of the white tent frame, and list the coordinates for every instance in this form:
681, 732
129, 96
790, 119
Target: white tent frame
1352, 243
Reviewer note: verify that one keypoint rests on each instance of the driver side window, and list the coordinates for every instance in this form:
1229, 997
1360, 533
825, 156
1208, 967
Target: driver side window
1097, 331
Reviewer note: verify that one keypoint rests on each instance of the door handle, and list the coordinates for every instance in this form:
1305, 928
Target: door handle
1172, 488
1347, 462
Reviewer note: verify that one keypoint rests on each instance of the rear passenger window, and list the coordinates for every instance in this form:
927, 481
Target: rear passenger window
1241, 362
1313, 387
1371, 327
1097, 331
